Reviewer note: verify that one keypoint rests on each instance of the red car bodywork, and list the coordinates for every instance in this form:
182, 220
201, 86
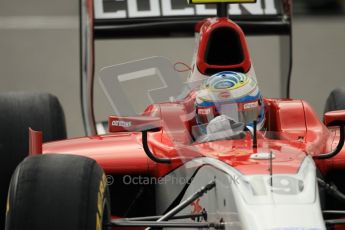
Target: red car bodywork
122, 153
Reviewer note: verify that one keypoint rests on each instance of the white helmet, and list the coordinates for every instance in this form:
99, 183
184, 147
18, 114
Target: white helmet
232, 94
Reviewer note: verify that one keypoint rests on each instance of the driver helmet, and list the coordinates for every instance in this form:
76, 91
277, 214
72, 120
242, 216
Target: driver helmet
232, 94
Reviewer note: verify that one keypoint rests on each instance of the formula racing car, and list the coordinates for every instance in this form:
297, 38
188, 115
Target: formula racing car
209, 151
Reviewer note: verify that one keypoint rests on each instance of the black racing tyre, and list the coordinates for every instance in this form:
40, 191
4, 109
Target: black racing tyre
18, 112
56, 191
335, 100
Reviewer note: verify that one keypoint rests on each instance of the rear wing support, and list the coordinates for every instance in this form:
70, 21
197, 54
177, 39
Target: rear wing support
286, 52
103, 19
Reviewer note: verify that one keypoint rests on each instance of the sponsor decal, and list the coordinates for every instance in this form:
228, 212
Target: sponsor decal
124, 124
225, 94
197, 208
262, 156
204, 111
286, 185
122, 9
250, 105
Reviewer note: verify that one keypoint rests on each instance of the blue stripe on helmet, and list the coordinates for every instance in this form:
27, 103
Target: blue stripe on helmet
239, 100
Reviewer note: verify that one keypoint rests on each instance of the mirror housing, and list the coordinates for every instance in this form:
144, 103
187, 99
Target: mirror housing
134, 124
334, 118
141, 124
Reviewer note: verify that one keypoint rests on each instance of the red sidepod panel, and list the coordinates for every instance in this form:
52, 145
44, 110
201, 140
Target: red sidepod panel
116, 153
298, 118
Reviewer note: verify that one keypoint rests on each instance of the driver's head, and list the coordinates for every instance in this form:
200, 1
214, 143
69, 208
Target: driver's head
232, 94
